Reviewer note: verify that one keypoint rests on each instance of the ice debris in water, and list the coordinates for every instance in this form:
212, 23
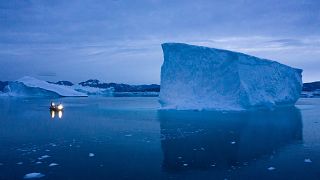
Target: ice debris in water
271, 168
185, 164
44, 157
232, 142
307, 160
53, 164
19, 163
91, 154
33, 175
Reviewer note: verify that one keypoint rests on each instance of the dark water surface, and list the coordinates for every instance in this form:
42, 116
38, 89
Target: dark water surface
129, 138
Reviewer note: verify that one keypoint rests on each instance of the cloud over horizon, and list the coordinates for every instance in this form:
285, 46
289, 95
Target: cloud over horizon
119, 40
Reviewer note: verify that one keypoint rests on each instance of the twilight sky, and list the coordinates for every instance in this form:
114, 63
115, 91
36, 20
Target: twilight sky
119, 40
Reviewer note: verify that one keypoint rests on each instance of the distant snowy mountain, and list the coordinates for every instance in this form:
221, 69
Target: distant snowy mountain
65, 83
121, 87
311, 90
31, 87
312, 86
93, 90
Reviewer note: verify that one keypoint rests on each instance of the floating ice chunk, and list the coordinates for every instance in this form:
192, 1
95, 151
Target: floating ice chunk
307, 160
19, 163
179, 157
185, 164
91, 155
38, 162
53, 144
232, 142
271, 168
195, 77
44, 157
53, 164
33, 175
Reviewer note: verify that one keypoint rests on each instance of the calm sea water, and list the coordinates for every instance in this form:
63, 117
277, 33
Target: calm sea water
129, 138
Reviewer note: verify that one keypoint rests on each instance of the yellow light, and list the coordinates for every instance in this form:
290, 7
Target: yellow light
60, 107
52, 114
60, 114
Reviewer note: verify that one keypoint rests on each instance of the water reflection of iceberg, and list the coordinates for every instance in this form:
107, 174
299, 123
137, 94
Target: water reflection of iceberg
198, 140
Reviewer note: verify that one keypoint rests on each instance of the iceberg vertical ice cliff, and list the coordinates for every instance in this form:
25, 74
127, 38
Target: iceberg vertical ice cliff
31, 87
196, 77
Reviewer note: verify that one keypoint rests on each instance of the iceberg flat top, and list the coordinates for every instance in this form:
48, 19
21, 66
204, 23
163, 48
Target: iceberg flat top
197, 77
59, 89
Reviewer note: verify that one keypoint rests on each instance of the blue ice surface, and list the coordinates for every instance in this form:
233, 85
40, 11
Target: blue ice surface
131, 139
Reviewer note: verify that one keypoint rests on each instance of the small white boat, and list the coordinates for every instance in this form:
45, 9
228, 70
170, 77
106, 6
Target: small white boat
55, 107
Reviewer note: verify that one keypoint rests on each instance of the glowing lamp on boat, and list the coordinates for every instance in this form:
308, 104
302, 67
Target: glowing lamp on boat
60, 107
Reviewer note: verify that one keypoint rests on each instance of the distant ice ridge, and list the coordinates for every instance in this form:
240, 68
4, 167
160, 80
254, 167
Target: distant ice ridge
196, 77
29, 86
93, 90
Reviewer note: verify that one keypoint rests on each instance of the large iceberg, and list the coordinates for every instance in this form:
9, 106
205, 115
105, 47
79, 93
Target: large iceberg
31, 87
196, 77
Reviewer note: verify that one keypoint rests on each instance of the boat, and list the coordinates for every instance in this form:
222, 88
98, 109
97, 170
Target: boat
55, 107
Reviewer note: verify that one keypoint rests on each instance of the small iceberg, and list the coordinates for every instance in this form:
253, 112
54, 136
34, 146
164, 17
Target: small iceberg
44, 157
53, 164
32, 87
33, 175
271, 168
91, 154
307, 160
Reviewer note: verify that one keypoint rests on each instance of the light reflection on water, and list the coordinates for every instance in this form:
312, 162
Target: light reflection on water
53, 114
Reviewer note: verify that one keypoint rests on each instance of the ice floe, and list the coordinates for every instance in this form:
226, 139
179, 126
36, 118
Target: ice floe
44, 157
307, 160
53, 164
33, 175
271, 168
